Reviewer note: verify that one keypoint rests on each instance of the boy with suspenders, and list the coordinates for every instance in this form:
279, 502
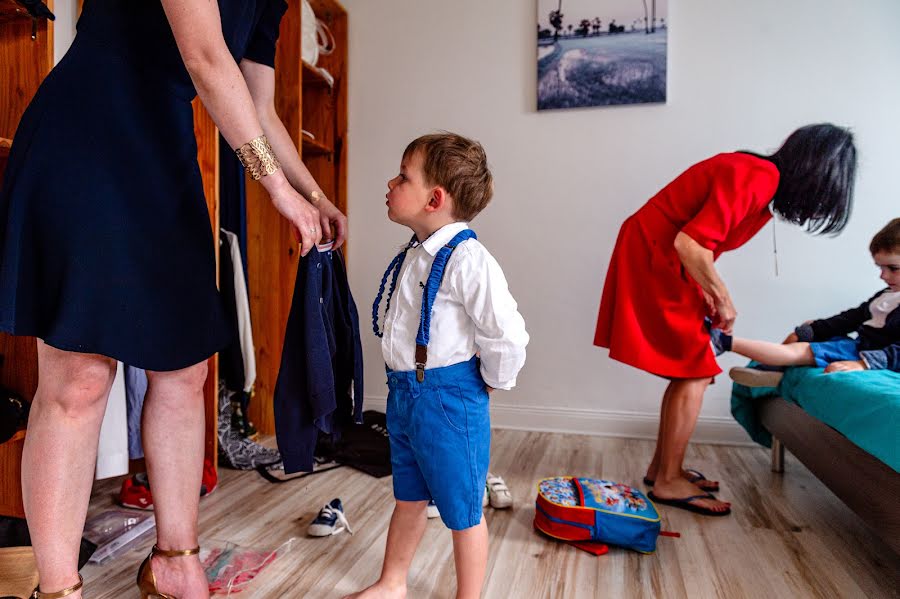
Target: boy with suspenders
452, 334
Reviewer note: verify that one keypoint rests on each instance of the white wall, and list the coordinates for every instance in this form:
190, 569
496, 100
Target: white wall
741, 75
66, 12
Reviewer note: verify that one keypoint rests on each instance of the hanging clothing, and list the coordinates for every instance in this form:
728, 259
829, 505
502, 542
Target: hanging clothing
112, 451
135, 390
652, 311
237, 361
242, 308
320, 381
231, 362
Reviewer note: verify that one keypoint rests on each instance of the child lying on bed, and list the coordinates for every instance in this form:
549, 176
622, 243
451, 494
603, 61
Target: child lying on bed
825, 342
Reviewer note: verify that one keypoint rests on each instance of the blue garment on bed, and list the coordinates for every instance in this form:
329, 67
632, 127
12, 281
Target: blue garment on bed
863, 406
835, 350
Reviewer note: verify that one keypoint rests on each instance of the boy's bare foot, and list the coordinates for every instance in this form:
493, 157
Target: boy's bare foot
380, 590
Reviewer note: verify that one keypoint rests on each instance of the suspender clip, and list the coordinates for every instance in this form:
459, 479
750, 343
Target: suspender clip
421, 360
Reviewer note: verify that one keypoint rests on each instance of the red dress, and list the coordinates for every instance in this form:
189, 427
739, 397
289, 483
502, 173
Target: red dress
652, 310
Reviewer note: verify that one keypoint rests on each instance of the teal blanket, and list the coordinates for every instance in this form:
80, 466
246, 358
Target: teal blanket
863, 406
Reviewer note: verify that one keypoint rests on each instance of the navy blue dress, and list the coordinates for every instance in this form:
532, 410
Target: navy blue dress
105, 240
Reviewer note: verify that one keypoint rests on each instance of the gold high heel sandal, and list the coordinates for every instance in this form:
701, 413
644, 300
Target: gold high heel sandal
146, 581
37, 594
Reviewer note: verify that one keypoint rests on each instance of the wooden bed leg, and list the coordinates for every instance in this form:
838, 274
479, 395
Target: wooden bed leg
777, 455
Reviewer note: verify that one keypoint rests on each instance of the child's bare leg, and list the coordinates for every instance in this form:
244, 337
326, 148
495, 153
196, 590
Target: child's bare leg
774, 354
405, 532
470, 552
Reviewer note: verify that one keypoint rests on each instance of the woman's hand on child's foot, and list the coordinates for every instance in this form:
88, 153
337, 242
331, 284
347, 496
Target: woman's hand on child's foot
846, 366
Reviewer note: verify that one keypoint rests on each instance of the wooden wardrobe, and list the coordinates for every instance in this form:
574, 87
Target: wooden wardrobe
305, 99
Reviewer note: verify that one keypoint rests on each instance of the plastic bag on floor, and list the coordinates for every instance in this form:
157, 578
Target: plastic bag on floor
232, 569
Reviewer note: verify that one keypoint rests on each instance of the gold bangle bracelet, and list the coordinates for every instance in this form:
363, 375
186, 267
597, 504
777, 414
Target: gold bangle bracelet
257, 158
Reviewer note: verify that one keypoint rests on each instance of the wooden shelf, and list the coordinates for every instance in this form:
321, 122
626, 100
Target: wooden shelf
20, 434
305, 100
312, 147
11, 11
5, 145
312, 76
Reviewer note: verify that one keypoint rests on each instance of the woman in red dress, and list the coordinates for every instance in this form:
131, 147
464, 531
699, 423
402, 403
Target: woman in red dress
662, 282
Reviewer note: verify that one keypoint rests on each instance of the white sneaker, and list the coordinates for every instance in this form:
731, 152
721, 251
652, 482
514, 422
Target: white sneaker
432, 510
498, 493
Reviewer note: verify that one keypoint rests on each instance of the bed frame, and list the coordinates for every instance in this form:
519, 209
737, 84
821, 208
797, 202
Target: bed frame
867, 485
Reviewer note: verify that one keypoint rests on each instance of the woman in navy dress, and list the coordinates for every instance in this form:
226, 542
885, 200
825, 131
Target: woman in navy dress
106, 253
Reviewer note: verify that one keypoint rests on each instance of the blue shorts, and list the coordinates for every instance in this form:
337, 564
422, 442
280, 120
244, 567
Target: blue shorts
440, 432
835, 350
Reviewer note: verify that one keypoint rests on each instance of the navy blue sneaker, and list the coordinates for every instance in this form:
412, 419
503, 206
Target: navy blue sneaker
330, 521
719, 341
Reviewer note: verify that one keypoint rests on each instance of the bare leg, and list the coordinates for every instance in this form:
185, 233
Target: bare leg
654, 463
60, 456
172, 430
470, 552
405, 532
653, 468
774, 354
680, 418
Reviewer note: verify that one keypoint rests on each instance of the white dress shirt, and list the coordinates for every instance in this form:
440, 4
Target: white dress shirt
881, 306
473, 312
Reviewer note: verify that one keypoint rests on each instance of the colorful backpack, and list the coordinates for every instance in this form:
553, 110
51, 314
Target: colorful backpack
589, 512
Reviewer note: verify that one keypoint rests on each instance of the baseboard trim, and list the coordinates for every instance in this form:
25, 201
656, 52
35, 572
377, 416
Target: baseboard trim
604, 423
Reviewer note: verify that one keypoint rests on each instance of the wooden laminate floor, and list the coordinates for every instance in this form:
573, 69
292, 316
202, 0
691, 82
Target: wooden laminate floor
788, 535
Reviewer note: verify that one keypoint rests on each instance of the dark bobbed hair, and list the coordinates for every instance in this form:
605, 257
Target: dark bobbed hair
817, 164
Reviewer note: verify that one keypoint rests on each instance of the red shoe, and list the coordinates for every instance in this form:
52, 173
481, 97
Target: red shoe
136, 494
210, 480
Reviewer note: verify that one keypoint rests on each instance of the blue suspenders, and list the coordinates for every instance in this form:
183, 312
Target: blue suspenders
428, 294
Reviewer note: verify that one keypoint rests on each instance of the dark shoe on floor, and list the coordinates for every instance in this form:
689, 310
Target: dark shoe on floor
755, 377
330, 521
685, 504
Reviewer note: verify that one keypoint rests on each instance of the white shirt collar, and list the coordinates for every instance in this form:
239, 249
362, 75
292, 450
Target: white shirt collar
442, 237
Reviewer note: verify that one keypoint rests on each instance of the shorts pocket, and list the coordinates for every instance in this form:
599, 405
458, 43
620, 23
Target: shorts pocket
453, 407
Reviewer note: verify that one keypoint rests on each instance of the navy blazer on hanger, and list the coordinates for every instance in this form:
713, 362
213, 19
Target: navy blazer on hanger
320, 383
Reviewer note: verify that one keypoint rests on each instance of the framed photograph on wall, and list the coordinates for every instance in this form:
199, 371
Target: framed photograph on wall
601, 52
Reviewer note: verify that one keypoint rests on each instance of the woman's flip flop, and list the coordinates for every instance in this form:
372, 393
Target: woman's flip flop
685, 504
697, 477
